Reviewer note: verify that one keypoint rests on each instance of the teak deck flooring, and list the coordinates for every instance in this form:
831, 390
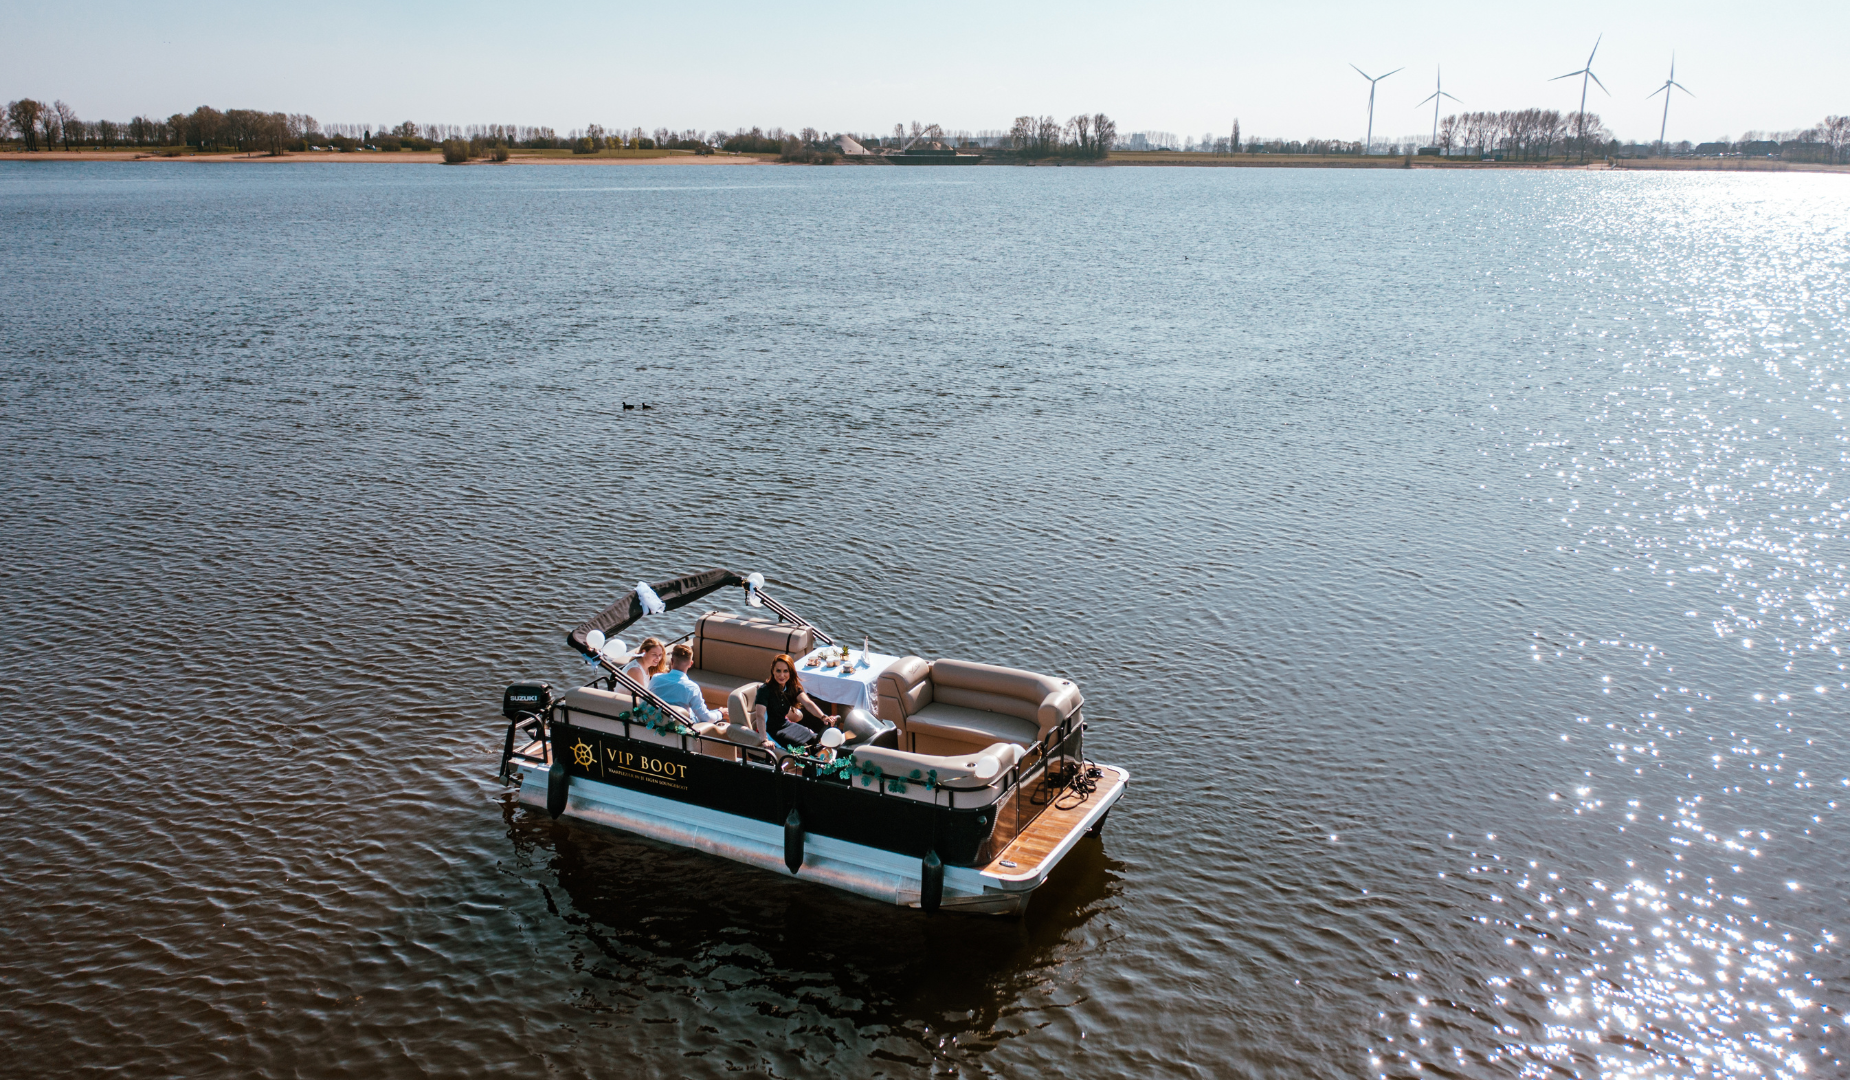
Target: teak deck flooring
1034, 843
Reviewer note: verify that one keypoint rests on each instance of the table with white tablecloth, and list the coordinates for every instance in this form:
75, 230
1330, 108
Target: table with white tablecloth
852, 686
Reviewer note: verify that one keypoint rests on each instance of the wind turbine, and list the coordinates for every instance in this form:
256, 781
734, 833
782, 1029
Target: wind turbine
1665, 90
1439, 92
1585, 73
1372, 80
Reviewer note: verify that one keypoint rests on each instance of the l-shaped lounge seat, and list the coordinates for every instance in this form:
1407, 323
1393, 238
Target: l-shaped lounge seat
952, 707
938, 780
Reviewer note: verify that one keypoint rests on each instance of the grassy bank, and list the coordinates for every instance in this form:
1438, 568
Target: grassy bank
608, 155
1350, 161
1317, 161
1726, 165
1249, 161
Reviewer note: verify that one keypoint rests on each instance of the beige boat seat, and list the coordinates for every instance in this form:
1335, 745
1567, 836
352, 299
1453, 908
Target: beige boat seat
959, 706
953, 774
723, 739
590, 707
731, 651
741, 702
598, 710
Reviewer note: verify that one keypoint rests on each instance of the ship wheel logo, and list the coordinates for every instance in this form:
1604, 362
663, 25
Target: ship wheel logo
582, 755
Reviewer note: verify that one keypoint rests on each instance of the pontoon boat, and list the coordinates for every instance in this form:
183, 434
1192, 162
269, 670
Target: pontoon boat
943, 784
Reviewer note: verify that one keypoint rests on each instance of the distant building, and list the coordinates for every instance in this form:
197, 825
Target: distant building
1710, 149
852, 148
1139, 141
1760, 148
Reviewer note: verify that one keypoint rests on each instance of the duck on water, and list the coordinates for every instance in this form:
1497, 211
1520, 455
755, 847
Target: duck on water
939, 784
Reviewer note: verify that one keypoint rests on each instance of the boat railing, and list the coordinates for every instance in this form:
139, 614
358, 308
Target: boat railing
1056, 746
535, 727
1028, 788
790, 616
1031, 784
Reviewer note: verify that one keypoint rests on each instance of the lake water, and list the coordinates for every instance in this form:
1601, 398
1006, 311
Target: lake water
1456, 560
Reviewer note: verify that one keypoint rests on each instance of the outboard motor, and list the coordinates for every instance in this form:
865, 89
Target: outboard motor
523, 703
525, 699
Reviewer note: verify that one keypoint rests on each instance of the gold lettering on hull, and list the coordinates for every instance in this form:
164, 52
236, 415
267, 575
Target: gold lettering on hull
647, 768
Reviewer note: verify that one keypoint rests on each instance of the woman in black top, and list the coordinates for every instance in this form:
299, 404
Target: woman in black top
782, 704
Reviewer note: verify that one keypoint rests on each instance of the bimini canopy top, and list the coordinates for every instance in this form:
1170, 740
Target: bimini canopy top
674, 593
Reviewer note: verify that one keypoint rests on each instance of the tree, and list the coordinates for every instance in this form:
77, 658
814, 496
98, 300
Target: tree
1233, 144
1448, 133
1835, 133
1046, 135
273, 133
1105, 133
70, 129
204, 128
49, 128
1021, 132
1080, 127
24, 116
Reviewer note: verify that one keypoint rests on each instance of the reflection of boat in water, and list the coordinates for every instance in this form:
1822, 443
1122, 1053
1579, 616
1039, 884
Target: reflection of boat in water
962, 788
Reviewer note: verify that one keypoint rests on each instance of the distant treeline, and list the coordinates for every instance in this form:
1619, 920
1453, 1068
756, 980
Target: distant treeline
36, 126
1082, 136
1537, 134
1522, 134
1826, 142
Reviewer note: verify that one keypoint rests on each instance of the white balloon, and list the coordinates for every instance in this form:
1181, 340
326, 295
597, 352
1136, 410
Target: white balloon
595, 640
832, 737
614, 649
987, 768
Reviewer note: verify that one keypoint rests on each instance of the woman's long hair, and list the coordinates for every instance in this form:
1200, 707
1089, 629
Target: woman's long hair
644, 647
795, 686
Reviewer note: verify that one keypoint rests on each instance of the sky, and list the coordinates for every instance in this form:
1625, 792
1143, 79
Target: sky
1184, 66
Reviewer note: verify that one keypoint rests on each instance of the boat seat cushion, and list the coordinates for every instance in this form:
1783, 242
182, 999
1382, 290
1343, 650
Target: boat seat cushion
1026, 695
743, 647
723, 740
956, 773
716, 687
598, 709
904, 688
739, 704
938, 723
590, 699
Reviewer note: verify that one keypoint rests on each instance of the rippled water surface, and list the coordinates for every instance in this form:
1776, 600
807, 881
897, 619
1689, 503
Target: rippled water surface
1456, 561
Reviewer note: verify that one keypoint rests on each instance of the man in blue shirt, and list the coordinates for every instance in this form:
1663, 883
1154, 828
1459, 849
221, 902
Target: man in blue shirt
674, 687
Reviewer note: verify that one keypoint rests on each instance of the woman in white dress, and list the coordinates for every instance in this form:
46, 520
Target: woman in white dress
651, 659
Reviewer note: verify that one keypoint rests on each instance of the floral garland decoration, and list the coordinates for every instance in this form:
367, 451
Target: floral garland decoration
645, 712
870, 773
